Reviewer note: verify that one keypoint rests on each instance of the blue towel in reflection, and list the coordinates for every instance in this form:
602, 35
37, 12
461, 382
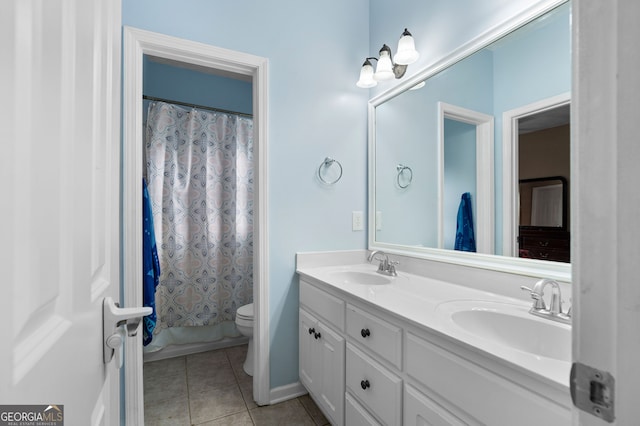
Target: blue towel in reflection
150, 266
465, 239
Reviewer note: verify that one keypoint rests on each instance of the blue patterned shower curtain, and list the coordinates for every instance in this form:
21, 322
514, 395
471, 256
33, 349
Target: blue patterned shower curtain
200, 179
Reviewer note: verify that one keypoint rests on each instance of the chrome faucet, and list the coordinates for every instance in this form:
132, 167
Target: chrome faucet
385, 267
539, 308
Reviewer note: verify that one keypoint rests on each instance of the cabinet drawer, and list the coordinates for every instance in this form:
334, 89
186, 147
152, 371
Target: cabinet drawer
421, 410
382, 338
379, 389
329, 307
356, 415
487, 397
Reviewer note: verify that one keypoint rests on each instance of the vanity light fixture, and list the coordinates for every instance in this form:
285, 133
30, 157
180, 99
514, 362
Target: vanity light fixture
386, 68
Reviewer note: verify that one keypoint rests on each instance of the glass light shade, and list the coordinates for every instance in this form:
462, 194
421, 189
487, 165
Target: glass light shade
366, 76
407, 53
384, 71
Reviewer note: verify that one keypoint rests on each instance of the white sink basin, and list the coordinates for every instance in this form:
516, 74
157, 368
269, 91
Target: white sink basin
361, 277
509, 325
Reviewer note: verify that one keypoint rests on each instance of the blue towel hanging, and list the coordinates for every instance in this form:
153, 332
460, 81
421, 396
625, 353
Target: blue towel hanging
465, 239
150, 265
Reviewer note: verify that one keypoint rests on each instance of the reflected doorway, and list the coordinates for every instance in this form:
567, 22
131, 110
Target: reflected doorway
536, 149
544, 172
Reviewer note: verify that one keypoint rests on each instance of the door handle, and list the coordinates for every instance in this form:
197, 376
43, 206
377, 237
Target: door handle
117, 324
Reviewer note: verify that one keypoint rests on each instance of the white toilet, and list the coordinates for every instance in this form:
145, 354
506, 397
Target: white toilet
244, 324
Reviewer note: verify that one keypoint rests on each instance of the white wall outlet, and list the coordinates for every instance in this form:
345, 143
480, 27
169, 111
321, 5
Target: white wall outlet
378, 221
357, 221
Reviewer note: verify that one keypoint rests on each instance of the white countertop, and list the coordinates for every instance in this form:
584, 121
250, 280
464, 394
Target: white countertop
417, 299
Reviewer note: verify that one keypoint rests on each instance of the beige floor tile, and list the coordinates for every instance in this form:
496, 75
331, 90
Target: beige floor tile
237, 355
240, 419
313, 410
247, 393
164, 387
212, 405
208, 379
207, 358
174, 412
242, 377
165, 367
286, 413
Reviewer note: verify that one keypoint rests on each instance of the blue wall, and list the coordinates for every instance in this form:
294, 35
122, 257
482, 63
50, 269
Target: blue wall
315, 110
185, 85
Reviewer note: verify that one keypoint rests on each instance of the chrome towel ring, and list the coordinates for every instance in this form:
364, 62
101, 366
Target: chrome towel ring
401, 171
328, 162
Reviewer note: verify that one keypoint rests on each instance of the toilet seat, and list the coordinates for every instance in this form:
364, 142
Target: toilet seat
245, 312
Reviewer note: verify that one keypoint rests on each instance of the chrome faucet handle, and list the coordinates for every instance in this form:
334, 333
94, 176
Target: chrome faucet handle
392, 268
538, 301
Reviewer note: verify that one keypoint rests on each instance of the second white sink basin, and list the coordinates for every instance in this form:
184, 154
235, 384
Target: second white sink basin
360, 277
508, 325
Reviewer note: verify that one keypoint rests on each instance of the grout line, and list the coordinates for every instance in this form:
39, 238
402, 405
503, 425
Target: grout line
186, 374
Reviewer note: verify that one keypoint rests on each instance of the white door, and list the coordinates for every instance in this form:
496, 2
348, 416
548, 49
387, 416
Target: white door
605, 226
59, 214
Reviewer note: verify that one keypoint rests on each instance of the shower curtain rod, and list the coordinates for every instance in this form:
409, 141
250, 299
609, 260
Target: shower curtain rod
153, 98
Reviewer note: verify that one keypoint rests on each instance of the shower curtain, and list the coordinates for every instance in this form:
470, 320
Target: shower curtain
200, 180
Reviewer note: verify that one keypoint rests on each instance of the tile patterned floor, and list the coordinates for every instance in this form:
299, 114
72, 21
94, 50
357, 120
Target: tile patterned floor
211, 389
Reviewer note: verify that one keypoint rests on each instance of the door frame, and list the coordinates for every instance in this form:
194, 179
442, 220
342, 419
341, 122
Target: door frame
138, 43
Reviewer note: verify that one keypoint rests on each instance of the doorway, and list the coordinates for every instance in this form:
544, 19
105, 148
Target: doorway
137, 44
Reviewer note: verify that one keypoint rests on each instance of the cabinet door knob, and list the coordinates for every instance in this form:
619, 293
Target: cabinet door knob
317, 335
365, 333
365, 384
312, 330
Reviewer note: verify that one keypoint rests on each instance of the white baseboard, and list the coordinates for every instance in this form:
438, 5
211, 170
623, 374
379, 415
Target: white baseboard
286, 392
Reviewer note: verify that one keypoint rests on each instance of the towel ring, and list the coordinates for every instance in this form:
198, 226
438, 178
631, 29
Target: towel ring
401, 169
328, 162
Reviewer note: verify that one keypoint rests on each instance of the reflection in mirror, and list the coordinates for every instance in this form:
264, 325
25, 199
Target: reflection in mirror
543, 218
466, 140
531, 63
543, 151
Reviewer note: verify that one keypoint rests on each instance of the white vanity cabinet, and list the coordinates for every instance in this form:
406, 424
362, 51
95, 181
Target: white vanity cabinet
371, 366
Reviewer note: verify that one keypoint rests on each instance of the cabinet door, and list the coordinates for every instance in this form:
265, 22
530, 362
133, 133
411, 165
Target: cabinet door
309, 356
419, 410
331, 378
356, 415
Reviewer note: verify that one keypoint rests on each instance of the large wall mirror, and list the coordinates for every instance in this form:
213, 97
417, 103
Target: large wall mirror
456, 151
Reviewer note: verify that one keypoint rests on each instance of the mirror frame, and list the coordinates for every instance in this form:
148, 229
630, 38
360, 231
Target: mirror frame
514, 265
